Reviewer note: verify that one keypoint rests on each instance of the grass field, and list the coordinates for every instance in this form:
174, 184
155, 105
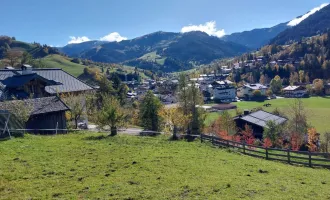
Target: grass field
91, 166
58, 61
318, 110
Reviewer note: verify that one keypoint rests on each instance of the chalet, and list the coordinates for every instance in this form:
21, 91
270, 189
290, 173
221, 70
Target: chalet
294, 92
38, 83
40, 88
45, 113
224, 91
258, 121
247, 90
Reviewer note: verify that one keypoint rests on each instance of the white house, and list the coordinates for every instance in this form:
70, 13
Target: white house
247, 90
294, 92
224, 91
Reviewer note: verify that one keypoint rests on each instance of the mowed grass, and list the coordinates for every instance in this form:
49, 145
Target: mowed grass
317, 109
92, 166
58, 61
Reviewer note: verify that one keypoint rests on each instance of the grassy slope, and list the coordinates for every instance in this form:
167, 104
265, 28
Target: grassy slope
318, 110
80, 166
58, 61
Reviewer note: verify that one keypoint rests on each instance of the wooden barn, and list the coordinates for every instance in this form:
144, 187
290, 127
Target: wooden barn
45, 113
258, 121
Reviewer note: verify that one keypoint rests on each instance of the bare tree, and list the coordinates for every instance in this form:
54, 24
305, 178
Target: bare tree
13, 57
77, 105
298, 117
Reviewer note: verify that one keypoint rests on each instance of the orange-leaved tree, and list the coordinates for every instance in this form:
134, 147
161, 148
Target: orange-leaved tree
247, 135
312, 139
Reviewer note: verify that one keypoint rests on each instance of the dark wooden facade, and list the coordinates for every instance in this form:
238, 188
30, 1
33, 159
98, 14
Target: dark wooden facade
53, 120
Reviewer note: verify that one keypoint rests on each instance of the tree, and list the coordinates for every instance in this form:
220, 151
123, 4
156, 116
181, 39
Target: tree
26, 58
257, 94
111, 114
263, 79
312, 139
195, 100
272, 132
224, 123
183, 92
77, 105
276, 85
298, 117
247, 135
318, 86
174, 119
301, 76
267, 143
13, 57
150, 107
20, 109
294, 78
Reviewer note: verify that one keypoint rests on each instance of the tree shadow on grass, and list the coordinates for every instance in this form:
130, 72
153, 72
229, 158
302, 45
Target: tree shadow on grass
97, 137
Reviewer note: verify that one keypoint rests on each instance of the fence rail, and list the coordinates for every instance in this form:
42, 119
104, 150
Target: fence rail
311, 159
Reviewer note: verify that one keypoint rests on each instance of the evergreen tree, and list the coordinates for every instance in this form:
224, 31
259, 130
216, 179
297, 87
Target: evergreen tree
150, 107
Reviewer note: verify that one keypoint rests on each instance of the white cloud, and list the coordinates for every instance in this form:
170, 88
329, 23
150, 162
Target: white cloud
209, 28
113, 37
296, 21
76, 40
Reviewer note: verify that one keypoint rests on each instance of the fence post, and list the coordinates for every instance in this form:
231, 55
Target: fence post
289, 159
266, 153
310, 158
228, 143
212, 139
244, 147
201, 138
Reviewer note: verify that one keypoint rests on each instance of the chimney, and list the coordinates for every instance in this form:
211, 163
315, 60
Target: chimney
246, 112
26, 69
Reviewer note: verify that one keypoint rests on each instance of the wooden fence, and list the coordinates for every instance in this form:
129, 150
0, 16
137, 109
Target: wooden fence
306, 158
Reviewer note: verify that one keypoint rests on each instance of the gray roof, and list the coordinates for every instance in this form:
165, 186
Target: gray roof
256, 86
20, 80
40, 105
69, 82
261, 118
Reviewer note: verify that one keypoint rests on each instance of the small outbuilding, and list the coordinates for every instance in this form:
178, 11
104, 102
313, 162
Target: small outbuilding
258, 121
46, 113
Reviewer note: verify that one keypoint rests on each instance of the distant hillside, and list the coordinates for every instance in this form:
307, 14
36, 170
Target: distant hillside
74, 50
315, 24
35, 49
256, 38
163, 51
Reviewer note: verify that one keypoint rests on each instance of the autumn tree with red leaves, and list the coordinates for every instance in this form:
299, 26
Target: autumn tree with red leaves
247, 135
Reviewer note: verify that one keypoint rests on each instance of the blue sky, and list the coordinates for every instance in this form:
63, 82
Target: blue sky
54, 22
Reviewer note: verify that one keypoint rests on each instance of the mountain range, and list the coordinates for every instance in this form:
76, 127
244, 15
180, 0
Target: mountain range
169, 52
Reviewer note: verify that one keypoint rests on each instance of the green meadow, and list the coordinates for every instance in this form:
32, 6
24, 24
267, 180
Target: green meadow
94, 166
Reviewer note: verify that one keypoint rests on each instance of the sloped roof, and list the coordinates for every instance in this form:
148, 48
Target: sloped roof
20, 80
256, 86
292, 88
261, 118
69, 82
40, 105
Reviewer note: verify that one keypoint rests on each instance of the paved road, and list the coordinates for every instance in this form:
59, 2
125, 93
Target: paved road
130, 131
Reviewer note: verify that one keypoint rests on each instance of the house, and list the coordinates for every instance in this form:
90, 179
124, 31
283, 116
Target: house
39, 82
294, 92
326, 89
258, 121
224, 91
45, 113
248, 90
